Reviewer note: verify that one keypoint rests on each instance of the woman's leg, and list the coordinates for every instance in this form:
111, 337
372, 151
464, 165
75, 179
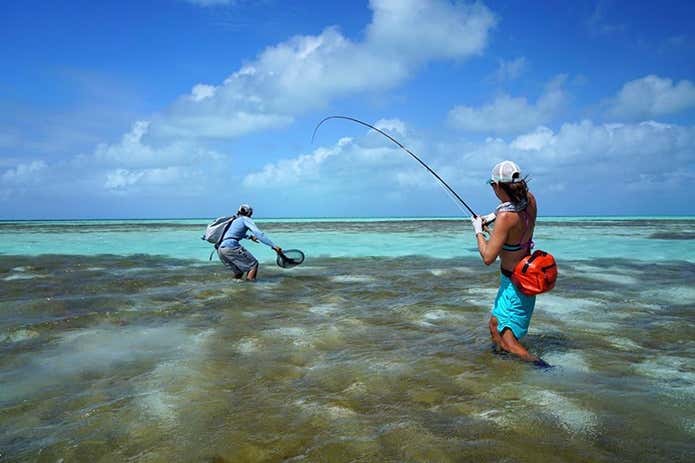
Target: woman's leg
513, 346
494, 334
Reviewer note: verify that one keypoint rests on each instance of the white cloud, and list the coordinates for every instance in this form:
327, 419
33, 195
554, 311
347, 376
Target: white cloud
121, 178
392, 126
537, 140
510, 70
594, 153
294, 171
370, 160
134, 151
22, 177
308, 71
643, 156
175, 168
283, 81
24, 174
130, 150
652, 96
508, 114
202, 91
422, 30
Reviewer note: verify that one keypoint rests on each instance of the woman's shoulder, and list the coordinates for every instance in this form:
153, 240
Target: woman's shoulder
507, 218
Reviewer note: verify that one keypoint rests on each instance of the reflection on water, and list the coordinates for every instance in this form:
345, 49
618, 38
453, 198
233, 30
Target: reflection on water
143, 358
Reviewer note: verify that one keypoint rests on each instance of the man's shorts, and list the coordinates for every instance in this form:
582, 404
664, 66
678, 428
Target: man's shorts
237, 259
512, 308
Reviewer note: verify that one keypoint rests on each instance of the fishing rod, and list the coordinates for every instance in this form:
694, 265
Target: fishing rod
400, 145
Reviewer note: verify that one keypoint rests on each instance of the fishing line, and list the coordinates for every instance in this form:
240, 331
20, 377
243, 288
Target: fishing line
448, 189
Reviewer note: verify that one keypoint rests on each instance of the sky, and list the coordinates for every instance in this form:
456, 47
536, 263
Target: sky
188, 108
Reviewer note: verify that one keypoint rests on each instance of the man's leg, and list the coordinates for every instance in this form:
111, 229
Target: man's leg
246, 262
230, 265
251, 276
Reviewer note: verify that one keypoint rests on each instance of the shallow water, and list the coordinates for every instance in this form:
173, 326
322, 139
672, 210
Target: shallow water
122, 344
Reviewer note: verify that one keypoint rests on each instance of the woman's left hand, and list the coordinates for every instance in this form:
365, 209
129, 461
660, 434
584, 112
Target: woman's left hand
477, 223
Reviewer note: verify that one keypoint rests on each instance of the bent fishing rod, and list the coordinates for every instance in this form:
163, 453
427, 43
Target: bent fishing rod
400, 145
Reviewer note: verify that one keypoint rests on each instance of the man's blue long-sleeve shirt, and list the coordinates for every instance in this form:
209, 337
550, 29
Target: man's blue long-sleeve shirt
238, 231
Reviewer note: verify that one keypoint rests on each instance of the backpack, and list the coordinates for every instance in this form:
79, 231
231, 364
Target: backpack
214, 233
535, 274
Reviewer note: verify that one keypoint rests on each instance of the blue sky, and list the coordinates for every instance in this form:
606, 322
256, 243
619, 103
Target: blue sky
178, 108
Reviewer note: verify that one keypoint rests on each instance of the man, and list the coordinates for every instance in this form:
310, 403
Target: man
232, 254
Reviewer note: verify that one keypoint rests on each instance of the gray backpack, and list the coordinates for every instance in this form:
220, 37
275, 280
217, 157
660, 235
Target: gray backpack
216, 230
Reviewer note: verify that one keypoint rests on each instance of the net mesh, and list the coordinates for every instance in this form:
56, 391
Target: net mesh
290, 258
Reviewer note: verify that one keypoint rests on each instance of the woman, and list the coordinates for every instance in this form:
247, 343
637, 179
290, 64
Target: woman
511, 240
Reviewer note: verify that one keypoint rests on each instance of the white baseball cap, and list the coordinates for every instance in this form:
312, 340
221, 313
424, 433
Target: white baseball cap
246, 210
505, 172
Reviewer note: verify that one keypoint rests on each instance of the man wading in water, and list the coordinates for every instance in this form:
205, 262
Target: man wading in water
232, 254
511, 240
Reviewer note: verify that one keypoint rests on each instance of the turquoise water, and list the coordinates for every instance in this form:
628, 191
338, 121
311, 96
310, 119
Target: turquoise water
647, 239
120, 341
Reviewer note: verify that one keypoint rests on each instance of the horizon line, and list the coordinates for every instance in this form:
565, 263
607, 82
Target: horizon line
108, 219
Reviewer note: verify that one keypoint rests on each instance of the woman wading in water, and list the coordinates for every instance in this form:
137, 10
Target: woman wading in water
511, 241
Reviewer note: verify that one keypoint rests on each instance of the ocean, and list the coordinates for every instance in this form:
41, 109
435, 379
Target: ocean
120, 341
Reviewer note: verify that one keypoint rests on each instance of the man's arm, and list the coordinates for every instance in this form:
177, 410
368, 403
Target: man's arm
258, 234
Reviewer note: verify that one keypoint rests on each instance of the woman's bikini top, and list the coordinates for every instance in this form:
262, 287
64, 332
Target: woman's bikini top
520, 208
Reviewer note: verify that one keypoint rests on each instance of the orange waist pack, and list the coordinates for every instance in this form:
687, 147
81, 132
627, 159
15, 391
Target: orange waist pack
535, 274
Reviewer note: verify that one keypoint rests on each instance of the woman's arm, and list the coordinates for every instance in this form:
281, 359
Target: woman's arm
490, 249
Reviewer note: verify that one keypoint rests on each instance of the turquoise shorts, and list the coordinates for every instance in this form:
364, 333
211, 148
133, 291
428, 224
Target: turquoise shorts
512, 308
